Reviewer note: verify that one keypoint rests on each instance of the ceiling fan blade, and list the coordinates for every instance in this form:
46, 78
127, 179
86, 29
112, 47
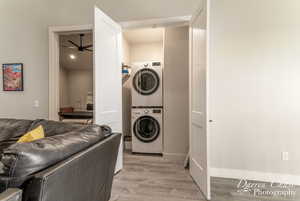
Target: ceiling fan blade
73, 43
71, 47
87, 46
88, 50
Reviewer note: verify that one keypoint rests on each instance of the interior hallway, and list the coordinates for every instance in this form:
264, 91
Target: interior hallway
150, 178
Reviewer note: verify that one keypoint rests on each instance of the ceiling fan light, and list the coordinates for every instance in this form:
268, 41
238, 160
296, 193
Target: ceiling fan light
72, 56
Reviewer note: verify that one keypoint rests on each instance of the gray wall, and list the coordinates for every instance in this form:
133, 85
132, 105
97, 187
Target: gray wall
141, 52
254, 88
80, 83
176, 92
75, 84
64, 87
24, 38
126, 91
126, 94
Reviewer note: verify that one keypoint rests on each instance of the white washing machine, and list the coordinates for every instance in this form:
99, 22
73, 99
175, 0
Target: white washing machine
147, 84
147, 130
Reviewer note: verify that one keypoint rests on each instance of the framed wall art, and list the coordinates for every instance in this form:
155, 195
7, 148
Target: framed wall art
13, 77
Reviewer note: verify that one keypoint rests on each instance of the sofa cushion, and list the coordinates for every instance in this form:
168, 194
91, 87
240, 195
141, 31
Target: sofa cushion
21, 160
11, 130
52, 128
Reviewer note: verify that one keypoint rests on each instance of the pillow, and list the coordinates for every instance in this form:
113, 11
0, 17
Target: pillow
33, 135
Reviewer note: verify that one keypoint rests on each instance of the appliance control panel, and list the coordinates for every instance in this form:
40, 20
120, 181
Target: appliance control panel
146, 112
156, 64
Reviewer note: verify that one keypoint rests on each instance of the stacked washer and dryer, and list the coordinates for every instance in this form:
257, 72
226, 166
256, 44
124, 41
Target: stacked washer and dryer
147, 108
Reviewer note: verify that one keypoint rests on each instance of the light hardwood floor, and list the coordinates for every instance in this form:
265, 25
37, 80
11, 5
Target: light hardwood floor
152, 178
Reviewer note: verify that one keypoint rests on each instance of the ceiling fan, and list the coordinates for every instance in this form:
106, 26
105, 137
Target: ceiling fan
80, 47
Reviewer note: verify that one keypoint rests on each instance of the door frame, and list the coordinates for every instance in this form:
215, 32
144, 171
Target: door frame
54, 32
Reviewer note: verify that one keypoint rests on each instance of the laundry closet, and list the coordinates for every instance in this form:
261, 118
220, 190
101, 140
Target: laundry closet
155, 90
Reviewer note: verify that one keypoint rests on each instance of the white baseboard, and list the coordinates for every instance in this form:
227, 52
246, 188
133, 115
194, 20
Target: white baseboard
176, 157
254, 175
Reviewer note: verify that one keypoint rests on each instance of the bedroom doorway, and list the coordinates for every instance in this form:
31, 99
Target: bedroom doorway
76, 77
58, 34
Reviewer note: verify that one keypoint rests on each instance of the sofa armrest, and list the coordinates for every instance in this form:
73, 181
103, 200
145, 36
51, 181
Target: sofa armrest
11, 194
85, 176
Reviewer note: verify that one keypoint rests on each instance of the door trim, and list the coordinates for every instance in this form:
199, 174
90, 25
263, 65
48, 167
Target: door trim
54, 32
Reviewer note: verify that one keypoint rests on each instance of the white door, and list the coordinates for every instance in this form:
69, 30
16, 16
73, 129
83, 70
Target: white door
199, 160
107, 75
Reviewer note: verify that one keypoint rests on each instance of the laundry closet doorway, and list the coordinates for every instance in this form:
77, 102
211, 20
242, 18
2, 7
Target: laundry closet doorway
197, 118
158, 60
142, 89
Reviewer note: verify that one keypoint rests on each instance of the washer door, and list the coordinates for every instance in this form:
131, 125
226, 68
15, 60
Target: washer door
146, 81
146, 129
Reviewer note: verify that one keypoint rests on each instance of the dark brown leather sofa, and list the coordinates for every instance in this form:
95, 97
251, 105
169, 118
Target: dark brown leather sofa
73, 163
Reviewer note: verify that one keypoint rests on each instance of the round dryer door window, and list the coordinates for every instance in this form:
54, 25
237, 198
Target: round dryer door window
146, 81
146, 129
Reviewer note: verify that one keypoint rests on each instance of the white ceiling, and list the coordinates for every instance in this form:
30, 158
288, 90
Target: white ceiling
128, 10
83, 60
149, 35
